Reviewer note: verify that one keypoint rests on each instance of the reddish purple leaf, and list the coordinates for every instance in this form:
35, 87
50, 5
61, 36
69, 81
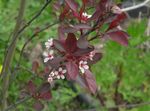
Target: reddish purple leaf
72, 70
58, 45
45, 95
55, 63
38, 106
81, 52
82, 26
117, 20
72, 4
70, 29
61, 34
82, 43
97, 57
31, 87
35, 66
119, 36
71, 43
90, 81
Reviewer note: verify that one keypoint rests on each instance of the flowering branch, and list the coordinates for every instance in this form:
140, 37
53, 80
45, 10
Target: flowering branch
135, 6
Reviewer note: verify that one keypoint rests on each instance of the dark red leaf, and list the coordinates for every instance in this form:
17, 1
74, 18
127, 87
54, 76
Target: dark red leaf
96, 58
69, 29
31, 87
117, 20
82, 26
64, 13
38, 106
82, 43
90, 81
119, 36
72, 4
81, 52
58, 45
55, 63
45, 95
71, 43
35, 66
72, 70
45, 87
61, 34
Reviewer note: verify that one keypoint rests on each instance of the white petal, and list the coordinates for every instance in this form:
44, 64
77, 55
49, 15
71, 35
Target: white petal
58, 77
62, 77
82, 70
64, 71
86, 67
56, 72
85, 62
60, 69
51, 52
45, 54
46, 59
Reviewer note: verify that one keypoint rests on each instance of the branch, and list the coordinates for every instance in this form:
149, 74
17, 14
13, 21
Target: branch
34, 17
136, 6
9, 55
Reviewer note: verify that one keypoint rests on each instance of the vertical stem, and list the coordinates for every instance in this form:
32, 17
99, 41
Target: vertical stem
10, 55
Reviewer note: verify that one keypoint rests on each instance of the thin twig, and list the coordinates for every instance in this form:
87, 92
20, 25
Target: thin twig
136, 6
34, 17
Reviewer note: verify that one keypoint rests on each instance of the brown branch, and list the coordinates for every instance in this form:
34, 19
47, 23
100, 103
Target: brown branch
9, 55
34, 17
11, 49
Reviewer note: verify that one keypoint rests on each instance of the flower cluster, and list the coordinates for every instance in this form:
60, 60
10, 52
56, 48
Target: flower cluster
49, 53
60, 74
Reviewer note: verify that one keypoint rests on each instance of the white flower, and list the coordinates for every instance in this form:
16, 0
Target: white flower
83, 65
49, 43
60, 73
50, 79
48, 55
84, 14
91, 55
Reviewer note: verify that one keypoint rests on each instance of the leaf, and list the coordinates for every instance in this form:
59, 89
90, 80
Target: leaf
45, 87
71, 43
61, 34
31, 87
97, 57
119, 36
45, 95
82, 43
55, 63
35, 66
58, 45
117, 20
82, 26
72, 70
72, 5
90, 81
38, 106
81, 52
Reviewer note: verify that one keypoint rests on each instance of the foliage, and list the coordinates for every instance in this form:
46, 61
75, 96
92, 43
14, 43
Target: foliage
131, 61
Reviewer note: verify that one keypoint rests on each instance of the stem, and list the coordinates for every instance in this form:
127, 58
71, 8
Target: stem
136, 6
9, 55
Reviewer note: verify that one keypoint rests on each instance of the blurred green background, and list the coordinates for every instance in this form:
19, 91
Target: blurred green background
130, 65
